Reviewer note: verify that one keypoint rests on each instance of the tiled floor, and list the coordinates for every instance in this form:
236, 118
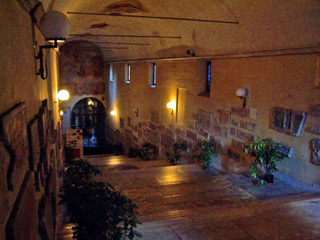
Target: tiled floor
185, 202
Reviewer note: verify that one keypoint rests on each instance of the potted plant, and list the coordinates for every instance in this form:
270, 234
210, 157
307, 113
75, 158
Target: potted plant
97, 211
175, 153
205, 151
148, 151
266, 154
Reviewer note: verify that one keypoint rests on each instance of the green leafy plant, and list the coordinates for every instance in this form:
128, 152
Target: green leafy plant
97, 211
205, 151
148, 151
266, 154
175, 153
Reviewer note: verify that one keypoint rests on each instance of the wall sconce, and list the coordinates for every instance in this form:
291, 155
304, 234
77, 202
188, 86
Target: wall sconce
55, 27
242, 94
113, 113
136, 111
172, 106
63, 95
63, 111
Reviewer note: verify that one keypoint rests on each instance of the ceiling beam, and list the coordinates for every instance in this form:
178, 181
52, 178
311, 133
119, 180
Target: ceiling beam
154, 17
124, 36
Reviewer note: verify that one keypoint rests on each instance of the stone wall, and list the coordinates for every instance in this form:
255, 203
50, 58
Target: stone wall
286, 82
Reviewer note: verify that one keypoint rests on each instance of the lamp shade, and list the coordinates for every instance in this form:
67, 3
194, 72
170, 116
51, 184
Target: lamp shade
55, 25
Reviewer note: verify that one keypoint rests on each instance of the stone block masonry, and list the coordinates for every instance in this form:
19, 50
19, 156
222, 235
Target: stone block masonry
233, 155
242, 112
237, 144
245, 136
248, 126
220, 130
205, 119
192, 135
225, 117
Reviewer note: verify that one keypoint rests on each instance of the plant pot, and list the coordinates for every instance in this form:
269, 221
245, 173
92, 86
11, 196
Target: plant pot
268, 178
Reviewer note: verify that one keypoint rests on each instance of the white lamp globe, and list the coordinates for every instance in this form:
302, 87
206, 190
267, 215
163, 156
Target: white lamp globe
113, 113
55, 25
241, 92
63, 95
171, 105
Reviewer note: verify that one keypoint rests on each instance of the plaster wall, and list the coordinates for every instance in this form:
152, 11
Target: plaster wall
283, 81
18, 66
19, 83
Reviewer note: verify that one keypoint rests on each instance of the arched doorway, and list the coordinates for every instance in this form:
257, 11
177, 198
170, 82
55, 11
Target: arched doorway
89, 115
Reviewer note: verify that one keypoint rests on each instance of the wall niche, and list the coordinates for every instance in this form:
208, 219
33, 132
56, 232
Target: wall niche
288, 121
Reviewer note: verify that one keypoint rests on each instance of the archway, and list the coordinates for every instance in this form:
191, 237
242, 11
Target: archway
89, 115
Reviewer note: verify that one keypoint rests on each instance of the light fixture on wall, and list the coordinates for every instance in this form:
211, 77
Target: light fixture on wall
242, 93
136, 111
172, 106
63, 111
113, 113
55, 27
63, 95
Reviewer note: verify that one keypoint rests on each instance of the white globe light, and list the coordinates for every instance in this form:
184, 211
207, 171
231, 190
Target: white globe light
63, 95
55, 25
171, 105
241, 92
113, 113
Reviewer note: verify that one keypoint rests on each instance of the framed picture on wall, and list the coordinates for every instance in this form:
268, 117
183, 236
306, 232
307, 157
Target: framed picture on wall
34, 144
13, 128
42, 128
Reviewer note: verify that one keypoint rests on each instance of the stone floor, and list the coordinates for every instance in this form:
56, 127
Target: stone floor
185, 202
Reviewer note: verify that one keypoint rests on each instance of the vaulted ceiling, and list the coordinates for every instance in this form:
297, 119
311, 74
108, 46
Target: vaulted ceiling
234, 26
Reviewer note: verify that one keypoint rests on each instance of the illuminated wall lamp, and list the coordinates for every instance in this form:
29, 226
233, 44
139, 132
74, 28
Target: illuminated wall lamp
55, 27
172, 106
63, 111
113, 113
63, 95
242, 94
